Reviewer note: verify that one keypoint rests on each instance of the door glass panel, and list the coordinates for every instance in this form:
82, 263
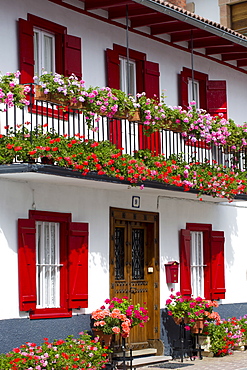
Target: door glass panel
119, 253
137, 254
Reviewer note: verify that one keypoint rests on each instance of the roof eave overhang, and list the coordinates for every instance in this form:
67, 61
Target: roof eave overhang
185, 17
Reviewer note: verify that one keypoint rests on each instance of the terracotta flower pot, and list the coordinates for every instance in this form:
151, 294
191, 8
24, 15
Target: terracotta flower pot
177, 320
104, 339
198, 327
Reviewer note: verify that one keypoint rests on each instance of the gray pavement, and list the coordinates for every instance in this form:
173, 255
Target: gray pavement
230, 362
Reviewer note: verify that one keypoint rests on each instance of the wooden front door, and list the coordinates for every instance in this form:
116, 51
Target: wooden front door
134, 267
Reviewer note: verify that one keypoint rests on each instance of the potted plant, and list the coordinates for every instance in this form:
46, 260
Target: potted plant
191, 311
11, 93
119, 317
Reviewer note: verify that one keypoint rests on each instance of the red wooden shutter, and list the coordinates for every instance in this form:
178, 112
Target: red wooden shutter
151, 79
216, 98
217, 265
78, 265
113, 81
27, 264
184, 90
112, 69
26, 51
72, 55
185, 273
151, 87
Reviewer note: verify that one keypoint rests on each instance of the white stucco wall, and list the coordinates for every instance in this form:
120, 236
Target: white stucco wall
97, 36
90, 202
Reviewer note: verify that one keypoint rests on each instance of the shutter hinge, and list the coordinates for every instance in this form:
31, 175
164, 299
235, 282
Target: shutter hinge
155, 329
155, 285
155, 307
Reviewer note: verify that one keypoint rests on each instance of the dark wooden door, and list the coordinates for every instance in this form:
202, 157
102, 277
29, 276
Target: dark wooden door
134, 267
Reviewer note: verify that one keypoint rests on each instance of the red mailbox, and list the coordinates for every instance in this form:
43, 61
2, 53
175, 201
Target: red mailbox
172, 272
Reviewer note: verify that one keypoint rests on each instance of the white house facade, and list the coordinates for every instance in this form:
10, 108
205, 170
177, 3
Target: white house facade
103, 237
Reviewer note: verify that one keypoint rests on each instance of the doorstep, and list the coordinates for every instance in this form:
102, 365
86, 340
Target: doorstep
143, 361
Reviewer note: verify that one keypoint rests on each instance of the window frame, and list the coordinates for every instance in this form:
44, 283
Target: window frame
73, 256
41, 51
213, 253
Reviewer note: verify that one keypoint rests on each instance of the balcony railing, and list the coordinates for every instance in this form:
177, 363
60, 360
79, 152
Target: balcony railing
49, 117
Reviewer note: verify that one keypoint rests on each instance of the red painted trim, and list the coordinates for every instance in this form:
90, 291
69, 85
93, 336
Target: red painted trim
50, 313
202, 78
59, 32
133, 54
198, 227
49, 216
78, 10
197, 144
49, 112
45, 24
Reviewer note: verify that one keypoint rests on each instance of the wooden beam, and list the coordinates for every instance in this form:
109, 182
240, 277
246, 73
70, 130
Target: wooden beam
104, 4
134, 10
170, 27
234, 56
242, 63
186, 35
148, 21
213, 41
226, 49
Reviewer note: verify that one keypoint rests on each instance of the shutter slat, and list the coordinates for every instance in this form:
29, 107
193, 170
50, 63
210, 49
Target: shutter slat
26, 264
78, 265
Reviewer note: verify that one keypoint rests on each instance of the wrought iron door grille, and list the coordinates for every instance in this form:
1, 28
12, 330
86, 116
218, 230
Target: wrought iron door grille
137, 254
119, 253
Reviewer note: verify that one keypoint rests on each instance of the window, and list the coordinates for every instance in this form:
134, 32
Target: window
193, 92
53, 264
209, 94
46, 44
144, 76
48, 264
44, 52
202, 270
128, 76
197, 266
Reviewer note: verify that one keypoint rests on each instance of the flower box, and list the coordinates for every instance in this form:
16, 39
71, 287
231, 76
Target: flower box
56, 98
135, 117
172, 126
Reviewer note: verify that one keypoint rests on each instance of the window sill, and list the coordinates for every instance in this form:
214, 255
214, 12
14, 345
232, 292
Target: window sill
50, 313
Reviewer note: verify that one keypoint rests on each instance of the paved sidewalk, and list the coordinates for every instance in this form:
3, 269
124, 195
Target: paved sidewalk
231, 362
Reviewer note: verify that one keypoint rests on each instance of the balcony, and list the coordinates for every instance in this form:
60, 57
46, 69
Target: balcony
127, 136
